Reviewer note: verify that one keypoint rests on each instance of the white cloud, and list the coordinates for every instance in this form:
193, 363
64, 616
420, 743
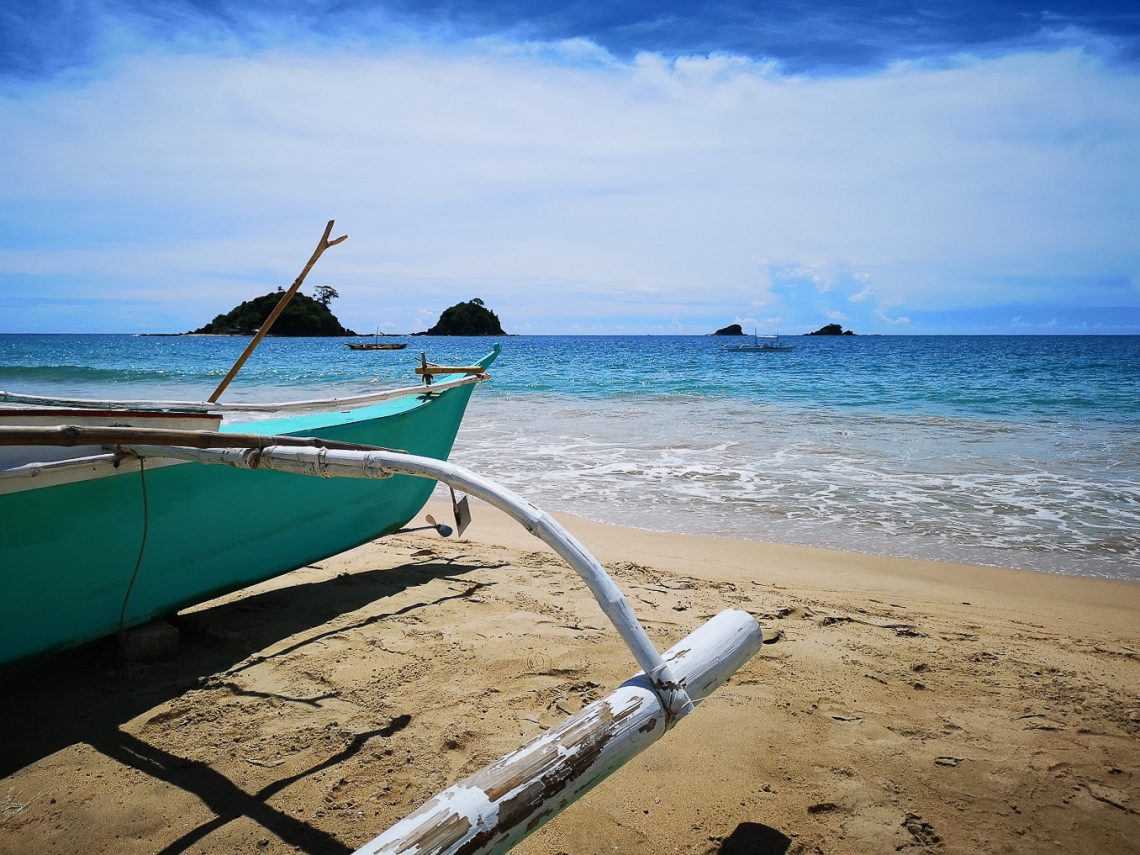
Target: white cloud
835, 315
551, 178
1018, 323
816, 274
900, 320
751, 324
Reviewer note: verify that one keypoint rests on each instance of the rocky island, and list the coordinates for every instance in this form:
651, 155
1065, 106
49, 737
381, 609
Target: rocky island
470, 318
731, 329
831, 329
304, 316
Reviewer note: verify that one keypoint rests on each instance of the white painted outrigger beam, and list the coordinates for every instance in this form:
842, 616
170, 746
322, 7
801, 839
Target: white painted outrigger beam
335, 463
498, 806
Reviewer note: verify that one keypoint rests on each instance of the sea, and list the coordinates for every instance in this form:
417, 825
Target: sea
1014, 451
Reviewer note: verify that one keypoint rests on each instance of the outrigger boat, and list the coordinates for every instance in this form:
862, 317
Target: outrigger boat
377, 345
116, 512
757, 346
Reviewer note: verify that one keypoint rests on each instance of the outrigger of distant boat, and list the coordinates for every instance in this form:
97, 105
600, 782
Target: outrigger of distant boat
758, 346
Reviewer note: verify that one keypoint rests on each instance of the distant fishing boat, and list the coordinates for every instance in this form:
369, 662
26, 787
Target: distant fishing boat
377, 345
758, 346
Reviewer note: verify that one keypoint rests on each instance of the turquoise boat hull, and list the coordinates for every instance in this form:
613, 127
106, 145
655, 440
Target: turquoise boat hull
70, 550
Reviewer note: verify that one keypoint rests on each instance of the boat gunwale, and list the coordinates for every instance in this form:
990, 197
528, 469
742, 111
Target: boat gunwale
198, 407
111, 413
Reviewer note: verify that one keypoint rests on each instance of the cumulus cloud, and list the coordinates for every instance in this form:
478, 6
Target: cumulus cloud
555, 180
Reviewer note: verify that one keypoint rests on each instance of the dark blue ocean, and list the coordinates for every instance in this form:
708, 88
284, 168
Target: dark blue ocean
1020, 451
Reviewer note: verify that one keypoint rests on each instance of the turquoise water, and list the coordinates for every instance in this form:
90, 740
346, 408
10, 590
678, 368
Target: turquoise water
1007, 450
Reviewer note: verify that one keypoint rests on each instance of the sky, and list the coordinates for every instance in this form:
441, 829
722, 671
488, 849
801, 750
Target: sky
622, 167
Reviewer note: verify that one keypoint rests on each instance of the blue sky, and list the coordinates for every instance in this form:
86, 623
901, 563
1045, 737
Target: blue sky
623, 167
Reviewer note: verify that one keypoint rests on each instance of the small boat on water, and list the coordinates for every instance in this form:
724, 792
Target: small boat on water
116, 512
771, 345
377, 345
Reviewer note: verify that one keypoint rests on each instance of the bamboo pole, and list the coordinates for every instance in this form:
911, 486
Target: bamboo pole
73, 435
324, 244
449, 369
498, 806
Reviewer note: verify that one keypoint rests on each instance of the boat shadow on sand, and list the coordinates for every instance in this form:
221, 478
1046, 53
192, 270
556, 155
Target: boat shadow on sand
86, 695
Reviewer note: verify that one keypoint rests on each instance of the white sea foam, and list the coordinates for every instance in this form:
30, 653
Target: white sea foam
1001, 493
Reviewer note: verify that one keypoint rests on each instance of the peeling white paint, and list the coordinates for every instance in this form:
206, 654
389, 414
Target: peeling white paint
634, 715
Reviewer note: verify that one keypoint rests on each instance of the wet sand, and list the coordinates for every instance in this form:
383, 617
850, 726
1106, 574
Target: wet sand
899, 705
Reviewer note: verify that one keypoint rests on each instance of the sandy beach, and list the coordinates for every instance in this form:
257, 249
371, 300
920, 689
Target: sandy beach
898, 705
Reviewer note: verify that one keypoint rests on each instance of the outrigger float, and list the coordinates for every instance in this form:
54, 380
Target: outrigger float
157, 513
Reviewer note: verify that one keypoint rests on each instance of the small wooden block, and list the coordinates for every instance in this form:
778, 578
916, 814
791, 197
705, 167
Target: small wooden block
150, 642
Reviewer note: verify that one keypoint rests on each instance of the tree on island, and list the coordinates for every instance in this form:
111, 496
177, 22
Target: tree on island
470, 318
325, 294
304, 316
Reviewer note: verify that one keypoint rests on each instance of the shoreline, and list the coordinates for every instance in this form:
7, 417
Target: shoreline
442, 506
899, 704
814, 567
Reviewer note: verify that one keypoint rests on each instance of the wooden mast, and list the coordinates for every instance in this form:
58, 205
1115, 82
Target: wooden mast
324, 244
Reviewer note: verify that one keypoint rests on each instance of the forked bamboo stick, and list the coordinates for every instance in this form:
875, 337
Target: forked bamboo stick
324, 244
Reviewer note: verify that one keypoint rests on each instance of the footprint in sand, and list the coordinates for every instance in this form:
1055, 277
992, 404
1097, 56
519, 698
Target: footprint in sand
771, 634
